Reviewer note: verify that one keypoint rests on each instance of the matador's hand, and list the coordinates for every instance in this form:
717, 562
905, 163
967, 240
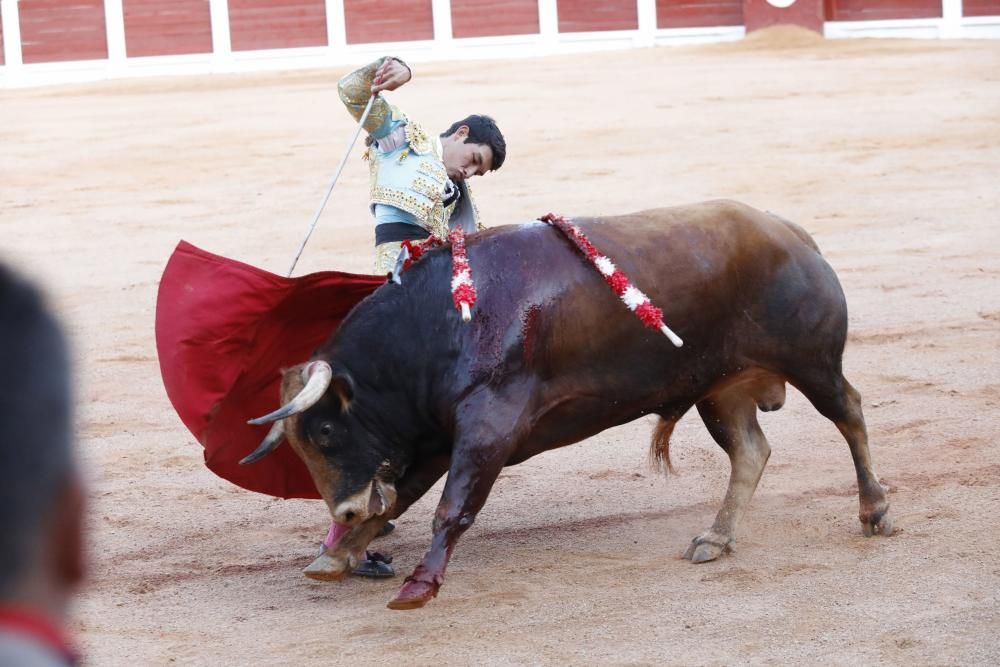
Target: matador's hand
390, 75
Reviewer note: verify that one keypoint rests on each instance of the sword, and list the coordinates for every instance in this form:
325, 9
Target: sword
329, 190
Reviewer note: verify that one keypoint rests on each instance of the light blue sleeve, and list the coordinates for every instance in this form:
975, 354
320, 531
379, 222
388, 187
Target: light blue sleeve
386, 128
385, 213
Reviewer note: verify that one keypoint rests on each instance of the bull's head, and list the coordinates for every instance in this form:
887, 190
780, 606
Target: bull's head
352, 475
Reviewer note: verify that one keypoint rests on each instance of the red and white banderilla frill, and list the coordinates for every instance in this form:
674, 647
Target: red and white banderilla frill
463, 291
631, 295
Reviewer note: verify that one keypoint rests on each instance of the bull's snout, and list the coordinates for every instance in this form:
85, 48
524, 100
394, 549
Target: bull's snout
375, 499
349, 515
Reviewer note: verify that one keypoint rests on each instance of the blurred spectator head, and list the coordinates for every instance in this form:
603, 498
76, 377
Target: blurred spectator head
41, 497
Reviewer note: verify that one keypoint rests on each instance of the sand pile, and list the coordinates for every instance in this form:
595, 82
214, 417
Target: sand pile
784, 37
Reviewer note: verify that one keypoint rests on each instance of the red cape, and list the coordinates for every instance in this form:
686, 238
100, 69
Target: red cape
224, 331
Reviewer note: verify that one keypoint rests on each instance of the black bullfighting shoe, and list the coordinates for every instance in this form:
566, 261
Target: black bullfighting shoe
386, 529
375, 566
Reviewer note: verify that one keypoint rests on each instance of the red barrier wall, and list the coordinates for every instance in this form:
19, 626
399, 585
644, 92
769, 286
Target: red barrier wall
486, 18
167, 27
698, 13
877, 10
370, 21
588, 15
803, 13
276, 24
56, 30
981, 8
64, 30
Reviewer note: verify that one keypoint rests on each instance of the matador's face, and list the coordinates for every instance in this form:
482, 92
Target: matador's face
464, 160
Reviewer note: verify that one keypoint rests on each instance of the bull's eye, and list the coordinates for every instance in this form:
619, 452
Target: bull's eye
325, 430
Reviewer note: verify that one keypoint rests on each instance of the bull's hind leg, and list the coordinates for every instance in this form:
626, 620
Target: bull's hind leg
731, 418
839, 402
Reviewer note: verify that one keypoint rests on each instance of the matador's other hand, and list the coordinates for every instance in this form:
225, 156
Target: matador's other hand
390, 75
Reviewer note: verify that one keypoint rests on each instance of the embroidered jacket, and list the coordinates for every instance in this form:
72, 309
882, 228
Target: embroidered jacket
409, 182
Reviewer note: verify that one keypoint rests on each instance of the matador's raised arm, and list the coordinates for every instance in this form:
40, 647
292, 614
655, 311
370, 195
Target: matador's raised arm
356, 88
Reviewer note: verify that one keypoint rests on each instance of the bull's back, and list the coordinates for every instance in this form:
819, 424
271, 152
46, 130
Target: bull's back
734, 282
715, 236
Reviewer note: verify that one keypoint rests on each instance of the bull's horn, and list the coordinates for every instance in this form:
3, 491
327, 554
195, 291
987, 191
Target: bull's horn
270, 443
318, 374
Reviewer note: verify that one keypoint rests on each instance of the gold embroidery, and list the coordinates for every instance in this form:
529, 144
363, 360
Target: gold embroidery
427, 189
438, 220
416, 206
356, 88
385, 256
433, 169
418, 138
376, 119
372, 169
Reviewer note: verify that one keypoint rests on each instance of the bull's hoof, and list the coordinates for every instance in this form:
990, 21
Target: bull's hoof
877, 523
413, 595
707, 547
327, 568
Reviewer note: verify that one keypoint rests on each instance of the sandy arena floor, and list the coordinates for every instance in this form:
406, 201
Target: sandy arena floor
888, 152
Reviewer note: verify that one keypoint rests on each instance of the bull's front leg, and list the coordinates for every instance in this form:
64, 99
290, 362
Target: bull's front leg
343, 555
489, 430
470, 480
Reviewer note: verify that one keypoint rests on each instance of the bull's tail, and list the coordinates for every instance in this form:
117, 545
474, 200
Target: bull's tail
798, 231
659, 448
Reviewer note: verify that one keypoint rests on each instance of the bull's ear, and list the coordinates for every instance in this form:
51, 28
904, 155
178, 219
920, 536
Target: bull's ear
342, 385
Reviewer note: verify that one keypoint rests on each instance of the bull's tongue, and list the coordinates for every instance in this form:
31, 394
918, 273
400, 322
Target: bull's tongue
335, 533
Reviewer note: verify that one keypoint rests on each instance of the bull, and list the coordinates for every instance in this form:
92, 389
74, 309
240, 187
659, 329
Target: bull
404, 391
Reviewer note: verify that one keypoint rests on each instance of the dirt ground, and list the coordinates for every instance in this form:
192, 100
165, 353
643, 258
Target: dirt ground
888, 152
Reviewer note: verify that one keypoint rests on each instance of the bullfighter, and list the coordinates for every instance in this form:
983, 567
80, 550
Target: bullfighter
419, 185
